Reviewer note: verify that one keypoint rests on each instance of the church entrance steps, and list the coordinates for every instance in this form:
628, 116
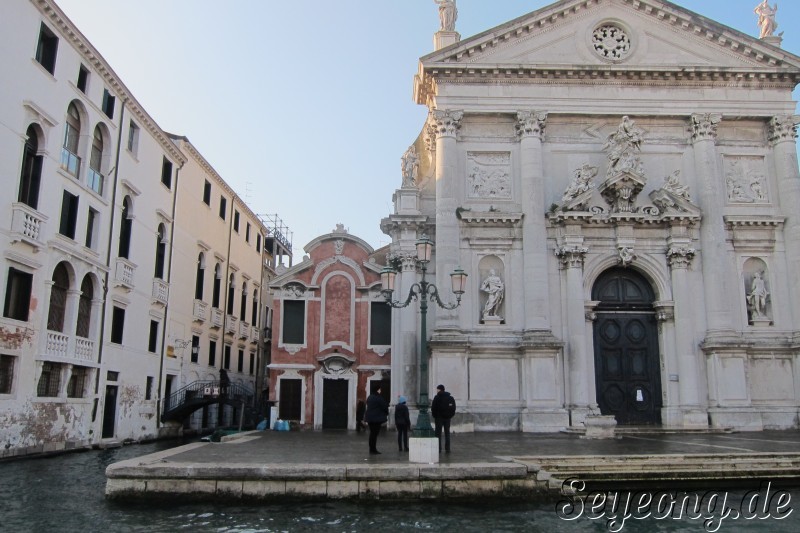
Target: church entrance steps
655, 430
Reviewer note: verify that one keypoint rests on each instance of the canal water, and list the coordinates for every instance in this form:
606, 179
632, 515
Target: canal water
65, 493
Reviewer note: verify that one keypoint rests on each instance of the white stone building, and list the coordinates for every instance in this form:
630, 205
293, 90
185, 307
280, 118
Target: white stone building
620, 178
100, 247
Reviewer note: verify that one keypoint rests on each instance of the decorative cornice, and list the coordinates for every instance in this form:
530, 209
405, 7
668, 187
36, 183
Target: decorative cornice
753, 220
531, 123
704, 126
90, 54
783, 128
489, 218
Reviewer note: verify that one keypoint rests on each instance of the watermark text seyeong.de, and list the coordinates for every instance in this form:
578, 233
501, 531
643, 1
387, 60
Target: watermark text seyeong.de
712, 508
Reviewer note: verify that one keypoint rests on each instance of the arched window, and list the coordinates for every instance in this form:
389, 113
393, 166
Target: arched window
125, 228
31, 175
231, 289
161, 251
217, 285
254, 321
58, 299
85, 308
200, 276
72, 134
95, 177
243, 303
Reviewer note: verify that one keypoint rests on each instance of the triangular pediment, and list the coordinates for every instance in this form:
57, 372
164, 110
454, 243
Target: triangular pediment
633, 36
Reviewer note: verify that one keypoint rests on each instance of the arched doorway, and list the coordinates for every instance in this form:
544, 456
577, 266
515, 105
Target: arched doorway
627, 369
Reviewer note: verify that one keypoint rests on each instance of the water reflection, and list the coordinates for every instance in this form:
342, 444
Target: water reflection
66, 493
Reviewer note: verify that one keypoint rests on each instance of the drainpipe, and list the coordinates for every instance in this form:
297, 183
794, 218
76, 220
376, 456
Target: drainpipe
104, 308
225, 300
166, 306
260, 317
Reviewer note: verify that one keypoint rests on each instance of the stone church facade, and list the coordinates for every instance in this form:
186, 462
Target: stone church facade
620, 180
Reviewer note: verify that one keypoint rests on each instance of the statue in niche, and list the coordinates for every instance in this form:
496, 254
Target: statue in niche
410, 167
766, 18
494, 287
671, 184
757, 297
448, 13
581, 182
622, 146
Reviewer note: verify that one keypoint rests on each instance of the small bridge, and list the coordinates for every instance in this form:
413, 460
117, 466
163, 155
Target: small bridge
199, 394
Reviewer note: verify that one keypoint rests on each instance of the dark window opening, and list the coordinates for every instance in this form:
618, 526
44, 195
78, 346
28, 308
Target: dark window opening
47, 48
380, 327
18, 295
240, 362
212, 353
58, 299
226, 359
76, 387
152, 343
31, 175
236, 221
91, 223
7, 373
108, 103
125, 230
117, 324
161, 251
83, 78
166, 173
207, 193
148, 388
50, 380
294, 321
85, 308
195, 356
69, 215
223, 207
252, 363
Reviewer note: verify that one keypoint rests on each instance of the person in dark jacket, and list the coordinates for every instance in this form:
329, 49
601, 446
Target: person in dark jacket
377, 413
402, 422
440, 418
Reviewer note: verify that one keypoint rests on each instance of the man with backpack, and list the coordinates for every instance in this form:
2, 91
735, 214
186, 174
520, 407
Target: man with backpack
443, 408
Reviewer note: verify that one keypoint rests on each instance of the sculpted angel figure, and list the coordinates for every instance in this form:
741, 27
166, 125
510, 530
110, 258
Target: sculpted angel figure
410, 167
494, 287
448, 13
674, 186
581, 182
766, 18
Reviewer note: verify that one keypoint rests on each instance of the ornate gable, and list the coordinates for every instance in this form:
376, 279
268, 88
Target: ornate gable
609, 41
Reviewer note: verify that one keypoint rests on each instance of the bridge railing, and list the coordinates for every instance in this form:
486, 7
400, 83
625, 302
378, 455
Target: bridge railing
206, 391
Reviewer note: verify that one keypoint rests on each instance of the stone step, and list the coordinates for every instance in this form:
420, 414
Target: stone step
654, 430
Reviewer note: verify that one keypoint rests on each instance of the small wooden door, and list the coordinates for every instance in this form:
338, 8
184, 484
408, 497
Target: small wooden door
334, 403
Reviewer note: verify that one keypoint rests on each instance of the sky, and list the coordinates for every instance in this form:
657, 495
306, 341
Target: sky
305, 107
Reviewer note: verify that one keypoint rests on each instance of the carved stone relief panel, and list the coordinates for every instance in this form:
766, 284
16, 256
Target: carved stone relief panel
489, 175
745, 180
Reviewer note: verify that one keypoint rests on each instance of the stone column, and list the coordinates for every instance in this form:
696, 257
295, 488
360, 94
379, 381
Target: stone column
446, 124
711, 193
782, 136
530, 128
679, 257
405, 359
571, 255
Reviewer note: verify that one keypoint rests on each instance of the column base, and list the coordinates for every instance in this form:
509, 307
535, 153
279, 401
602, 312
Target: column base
423, 450
543, 420
684, 417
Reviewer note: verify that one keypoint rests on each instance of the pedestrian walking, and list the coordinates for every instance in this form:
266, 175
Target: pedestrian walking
402, 421
443, 408
377, 413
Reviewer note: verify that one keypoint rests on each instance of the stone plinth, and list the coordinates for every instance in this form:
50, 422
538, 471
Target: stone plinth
443, 38
423, 450
600, 427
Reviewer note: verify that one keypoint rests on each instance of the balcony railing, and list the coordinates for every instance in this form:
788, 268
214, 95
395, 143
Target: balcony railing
216, 317
66, 347
244, 329
123, 275
160, 291
230, 324
255, 335
200, 311
27, 225
95, 181
70, 162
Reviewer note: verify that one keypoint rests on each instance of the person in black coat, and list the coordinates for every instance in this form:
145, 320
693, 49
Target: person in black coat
377, 413
442, 420
402, 422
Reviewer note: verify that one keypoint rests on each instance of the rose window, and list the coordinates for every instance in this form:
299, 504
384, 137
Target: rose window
611, 42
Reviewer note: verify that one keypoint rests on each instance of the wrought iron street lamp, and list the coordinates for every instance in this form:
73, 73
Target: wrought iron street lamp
422, 291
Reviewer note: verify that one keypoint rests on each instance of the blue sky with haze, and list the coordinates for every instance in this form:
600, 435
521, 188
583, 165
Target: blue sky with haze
297, 104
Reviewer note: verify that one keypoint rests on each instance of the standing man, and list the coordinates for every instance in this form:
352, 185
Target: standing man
443, 408
377, 413
402, 421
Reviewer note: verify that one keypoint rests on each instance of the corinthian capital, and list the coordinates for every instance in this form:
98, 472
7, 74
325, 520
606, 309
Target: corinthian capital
783, 128
531, 123
447, 122
680, 256
704, 126
571, 256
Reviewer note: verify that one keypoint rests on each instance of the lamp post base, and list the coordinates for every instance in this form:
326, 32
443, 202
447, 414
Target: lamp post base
423, 450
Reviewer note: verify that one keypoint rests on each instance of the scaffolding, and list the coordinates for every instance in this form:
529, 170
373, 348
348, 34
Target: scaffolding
278, 241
